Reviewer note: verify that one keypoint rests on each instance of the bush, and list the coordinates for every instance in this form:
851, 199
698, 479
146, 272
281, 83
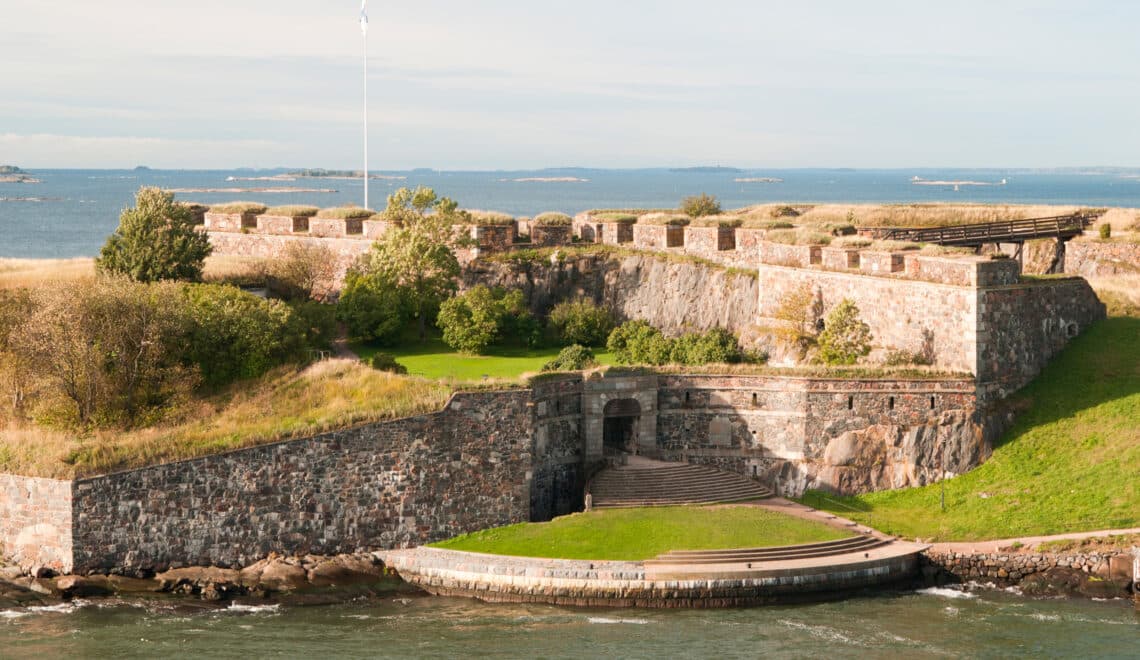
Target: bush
317, 321
235, 334
581, 322
1106, 231
638, 342
845, 337
386, 362
304, 270
785, 212
699, 205
156, 240
372, 308
572, 358
479, 317
716, 346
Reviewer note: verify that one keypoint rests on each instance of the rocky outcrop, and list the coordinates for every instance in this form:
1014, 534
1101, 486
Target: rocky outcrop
673, 294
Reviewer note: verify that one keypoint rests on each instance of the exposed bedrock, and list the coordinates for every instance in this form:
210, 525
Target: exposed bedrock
675, 296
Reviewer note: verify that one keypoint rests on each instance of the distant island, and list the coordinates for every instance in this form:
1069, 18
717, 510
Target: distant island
759, 179
142, 168
288, 189
320, 173
548, 179
707, 169
13, 174
919, 181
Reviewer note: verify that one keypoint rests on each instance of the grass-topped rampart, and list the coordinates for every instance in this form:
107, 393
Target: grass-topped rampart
639, 534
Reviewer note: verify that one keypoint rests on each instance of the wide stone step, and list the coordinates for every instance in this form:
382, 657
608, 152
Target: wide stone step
670, 485
705, 493
847, 546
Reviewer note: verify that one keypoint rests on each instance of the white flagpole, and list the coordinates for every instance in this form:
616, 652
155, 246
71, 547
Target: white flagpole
364, 32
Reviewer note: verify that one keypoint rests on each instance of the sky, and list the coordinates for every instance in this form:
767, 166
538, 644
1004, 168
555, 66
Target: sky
506, 84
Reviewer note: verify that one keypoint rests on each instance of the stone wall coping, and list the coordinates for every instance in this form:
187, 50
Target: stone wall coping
277, 443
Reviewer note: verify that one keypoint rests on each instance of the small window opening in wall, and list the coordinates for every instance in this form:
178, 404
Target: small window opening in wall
820, 325
891, 403
754, 470
754, 398
850, 403
686, 397
932, 403
1072, 330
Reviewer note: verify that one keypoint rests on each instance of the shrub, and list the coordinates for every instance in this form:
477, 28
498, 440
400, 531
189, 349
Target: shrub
235, 334
638, 342
571, 358
716, 346
785, 212
372, 307
845, 337
317, 321
1105, 231
698, 205
293, 211
386, 362
304, 270
156, 240
475, 319
552, 220
581, 322
799, 310
256, 208
345, 213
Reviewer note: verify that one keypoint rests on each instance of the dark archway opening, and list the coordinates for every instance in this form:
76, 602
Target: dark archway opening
619, 426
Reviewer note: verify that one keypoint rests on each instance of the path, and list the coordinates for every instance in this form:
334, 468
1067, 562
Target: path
1028, 542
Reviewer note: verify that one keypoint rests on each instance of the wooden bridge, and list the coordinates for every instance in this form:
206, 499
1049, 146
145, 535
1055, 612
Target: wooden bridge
1061, 227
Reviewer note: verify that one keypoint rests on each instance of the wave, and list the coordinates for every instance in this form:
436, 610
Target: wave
947, 592
607, 620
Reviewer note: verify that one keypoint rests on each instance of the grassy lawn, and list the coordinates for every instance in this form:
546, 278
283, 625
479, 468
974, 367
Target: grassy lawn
1071, 462
636, 534
433, 359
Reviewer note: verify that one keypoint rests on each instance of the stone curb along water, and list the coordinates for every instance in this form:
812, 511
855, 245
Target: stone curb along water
1096, 574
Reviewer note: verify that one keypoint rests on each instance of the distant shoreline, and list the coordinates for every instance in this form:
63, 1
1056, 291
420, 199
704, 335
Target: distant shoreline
252, 190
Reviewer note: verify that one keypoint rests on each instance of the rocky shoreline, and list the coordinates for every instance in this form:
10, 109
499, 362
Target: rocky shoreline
305, 580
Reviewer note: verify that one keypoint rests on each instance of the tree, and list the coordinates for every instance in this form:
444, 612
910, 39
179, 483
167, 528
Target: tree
372, 307
799, 310
416, 253
470, 322
845, 337
699, 205
581, 322
305, 270
156, 240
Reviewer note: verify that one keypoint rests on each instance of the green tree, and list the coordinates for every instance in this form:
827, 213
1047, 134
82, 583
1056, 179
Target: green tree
416, 253
638, 342
845, 337
571, 358
156, 240
800, 309
371, 307
699, 205
581, 322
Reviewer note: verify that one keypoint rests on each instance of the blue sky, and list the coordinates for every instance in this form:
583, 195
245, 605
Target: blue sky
523, 84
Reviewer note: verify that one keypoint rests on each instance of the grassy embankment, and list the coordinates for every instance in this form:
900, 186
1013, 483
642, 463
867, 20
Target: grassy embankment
1069, 464
637, 534
286, 403
16, 273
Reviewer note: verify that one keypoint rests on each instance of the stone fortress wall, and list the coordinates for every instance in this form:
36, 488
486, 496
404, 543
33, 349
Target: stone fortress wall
487, 459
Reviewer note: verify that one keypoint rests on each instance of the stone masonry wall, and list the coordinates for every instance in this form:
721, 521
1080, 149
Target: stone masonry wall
559, 462
845, 436
35, 522
383, 485
1102, 258
1105, 574
1021, 328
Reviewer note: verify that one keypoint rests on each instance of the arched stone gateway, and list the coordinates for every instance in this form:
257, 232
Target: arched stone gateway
619, 426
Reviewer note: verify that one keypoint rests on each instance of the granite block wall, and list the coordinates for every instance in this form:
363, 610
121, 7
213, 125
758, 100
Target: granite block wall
708, 242
282, 224
559, 470
549, 235
35, 522
657, 237
1102, 258
389, 484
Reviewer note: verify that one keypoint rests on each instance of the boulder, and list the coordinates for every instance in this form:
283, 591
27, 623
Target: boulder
77, 586
344, 571
281, 576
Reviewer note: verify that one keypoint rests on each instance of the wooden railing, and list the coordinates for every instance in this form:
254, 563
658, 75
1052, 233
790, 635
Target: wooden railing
1006, 231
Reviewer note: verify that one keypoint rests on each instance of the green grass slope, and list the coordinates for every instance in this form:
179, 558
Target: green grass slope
637, 534
1070, 463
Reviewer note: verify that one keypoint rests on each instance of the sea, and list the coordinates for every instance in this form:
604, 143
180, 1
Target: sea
930, 623
71, 212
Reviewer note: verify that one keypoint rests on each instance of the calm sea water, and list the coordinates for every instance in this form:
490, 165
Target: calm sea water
73, 210
936, 623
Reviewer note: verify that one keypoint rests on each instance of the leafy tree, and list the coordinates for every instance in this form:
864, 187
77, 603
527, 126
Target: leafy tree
799, 310
516, 322
304, 270
416, 253
571, 358
581, 322
699, 205
638, 342
716, 346
156, 240
470, 322
372, 307
845, 337
386, 362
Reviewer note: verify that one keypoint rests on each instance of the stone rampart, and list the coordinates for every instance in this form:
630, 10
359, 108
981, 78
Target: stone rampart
383, 485
560, 465
1102, 258
36, 522
846, 436
1099, 574
657, 237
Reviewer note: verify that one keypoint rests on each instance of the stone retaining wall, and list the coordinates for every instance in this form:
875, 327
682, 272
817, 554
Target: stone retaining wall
1107, 574
500, 579
35, 522
1102, 258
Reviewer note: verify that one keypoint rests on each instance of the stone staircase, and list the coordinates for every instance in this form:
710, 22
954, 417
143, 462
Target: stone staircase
853, 544
644, 482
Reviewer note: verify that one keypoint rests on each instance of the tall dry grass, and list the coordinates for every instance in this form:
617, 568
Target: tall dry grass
17, 273
904, 215
285, 403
